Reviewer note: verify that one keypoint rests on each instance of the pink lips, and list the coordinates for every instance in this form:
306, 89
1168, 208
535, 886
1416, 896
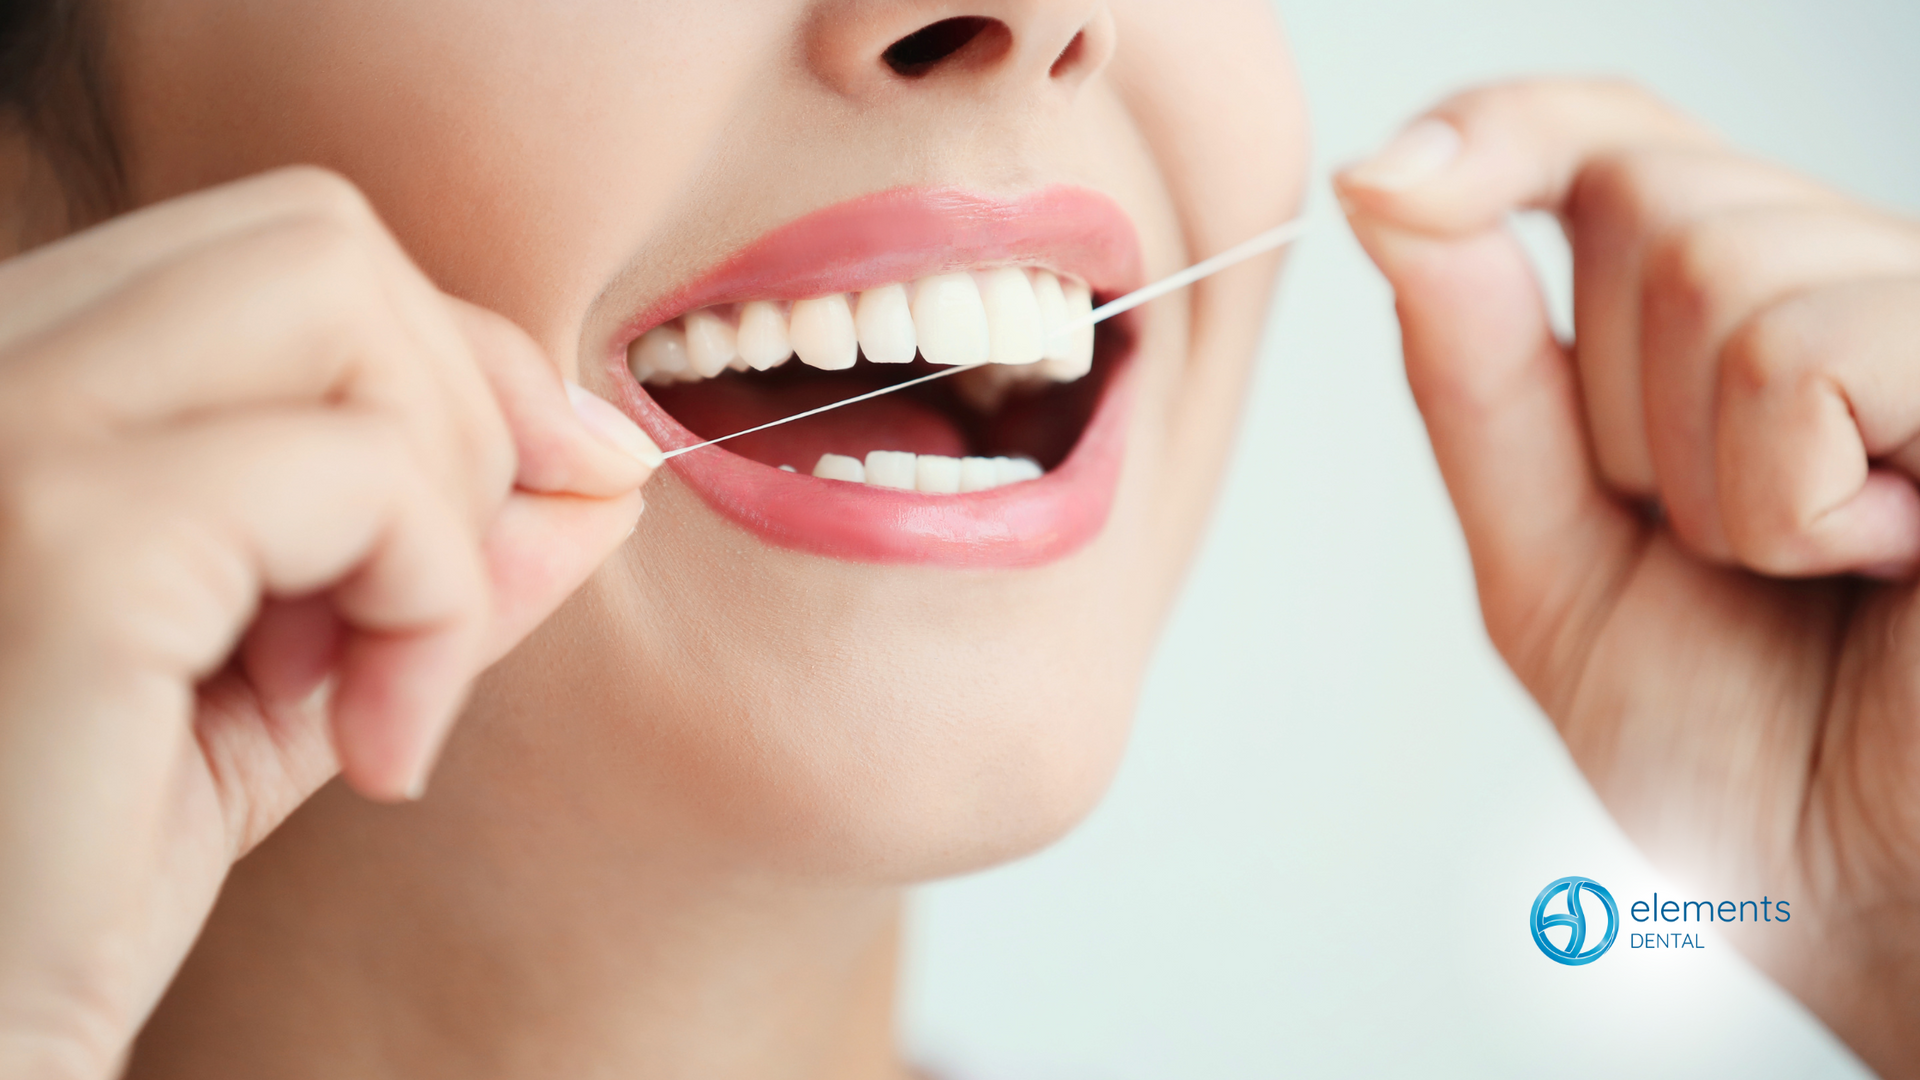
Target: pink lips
900, 235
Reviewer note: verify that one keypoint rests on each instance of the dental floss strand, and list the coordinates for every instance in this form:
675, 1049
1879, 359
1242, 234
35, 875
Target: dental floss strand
1276, 237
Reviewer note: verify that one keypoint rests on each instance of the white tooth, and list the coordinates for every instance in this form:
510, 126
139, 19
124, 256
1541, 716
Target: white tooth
949, 320
1079, 343
763, 340
976, 474
710, 343
936, 475
1014, 470
1013, 316
890, 468
1053, 312
661, 352
788, 468
840, 467
885, 325
738, 363
822, 332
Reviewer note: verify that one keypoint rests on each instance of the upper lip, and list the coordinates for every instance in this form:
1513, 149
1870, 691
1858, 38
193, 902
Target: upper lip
905, 233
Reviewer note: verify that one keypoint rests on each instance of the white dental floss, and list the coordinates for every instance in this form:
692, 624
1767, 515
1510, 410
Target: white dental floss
1276, 237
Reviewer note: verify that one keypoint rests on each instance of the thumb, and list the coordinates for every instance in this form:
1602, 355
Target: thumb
1501, 401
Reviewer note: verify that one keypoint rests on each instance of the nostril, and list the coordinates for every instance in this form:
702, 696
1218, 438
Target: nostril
921, 51
1070, 56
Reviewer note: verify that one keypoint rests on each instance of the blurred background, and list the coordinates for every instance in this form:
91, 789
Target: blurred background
1319, 857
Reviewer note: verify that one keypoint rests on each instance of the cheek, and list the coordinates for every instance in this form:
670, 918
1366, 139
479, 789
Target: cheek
516, 149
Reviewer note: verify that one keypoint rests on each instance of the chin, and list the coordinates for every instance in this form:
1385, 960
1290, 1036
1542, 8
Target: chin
835, 720
946, 790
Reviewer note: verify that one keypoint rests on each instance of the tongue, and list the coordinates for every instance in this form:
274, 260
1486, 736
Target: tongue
722, 406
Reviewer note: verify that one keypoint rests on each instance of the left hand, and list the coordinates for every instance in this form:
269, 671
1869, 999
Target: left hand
1694, 530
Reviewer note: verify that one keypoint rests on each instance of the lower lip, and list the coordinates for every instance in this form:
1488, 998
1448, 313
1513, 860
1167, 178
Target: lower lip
1024, 524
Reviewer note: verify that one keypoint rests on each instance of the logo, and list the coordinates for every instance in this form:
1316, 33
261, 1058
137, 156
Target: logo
1574, 951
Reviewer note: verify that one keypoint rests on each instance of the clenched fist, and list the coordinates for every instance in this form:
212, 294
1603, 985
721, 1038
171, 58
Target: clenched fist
269, 501
1695, 529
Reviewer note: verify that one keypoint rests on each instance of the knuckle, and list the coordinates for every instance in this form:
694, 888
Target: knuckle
1621, 192
1772, 537
1550, 98
319, 242
1691, 271
53, 536
320, 192
331, 269
1624, 91
1771, 354
1772, 517
42, 508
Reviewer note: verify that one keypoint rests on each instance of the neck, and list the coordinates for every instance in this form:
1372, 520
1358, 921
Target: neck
429, 941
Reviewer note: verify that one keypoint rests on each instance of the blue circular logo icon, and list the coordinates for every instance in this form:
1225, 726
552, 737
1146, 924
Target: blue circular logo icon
1574, 951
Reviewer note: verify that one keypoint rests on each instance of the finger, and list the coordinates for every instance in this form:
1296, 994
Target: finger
566, 438
1619, 207
216, 515
1481, 155
1815, 390
1701, 281
297, 312
541, 549
1502, 409
399, 693
1500, 397
1615, 164
266, 736
49, 285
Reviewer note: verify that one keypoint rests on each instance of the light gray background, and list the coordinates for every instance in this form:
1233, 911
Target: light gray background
1318, 858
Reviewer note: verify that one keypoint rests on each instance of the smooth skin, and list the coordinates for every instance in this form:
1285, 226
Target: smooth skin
1694, 529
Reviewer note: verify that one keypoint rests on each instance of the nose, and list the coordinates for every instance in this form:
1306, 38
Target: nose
868, 48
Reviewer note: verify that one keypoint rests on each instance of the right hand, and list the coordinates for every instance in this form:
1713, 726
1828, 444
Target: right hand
269, 501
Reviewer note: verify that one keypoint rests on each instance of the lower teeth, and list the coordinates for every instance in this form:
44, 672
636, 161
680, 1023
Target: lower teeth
929, 474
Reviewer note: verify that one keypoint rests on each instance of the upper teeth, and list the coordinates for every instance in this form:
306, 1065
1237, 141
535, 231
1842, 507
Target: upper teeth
1002, 316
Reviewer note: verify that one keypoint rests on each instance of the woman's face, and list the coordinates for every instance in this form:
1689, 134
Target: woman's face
837, 678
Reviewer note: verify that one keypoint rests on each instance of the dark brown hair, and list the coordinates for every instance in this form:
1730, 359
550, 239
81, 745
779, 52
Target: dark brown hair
52, 90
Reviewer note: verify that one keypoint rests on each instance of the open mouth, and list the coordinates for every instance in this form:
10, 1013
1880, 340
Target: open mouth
725, 369
1011, 462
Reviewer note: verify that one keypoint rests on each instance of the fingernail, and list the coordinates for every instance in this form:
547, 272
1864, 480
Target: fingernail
1414, 156
418, 789
612, 425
